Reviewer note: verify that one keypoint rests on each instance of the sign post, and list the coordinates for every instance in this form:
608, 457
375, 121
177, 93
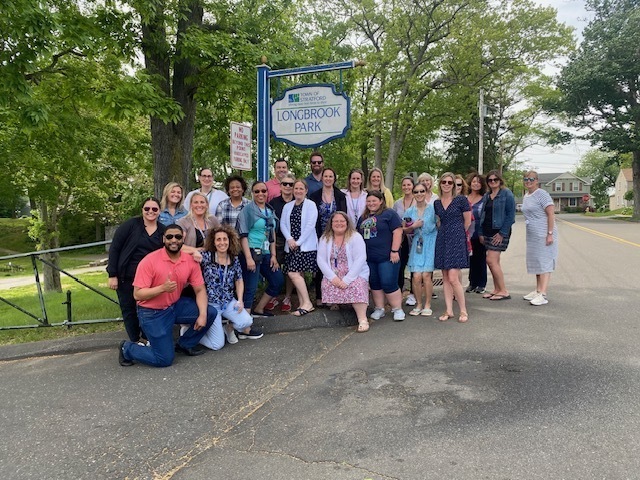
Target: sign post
240, 142
282, 130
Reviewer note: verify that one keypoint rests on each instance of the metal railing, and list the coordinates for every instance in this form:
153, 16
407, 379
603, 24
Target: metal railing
43, 320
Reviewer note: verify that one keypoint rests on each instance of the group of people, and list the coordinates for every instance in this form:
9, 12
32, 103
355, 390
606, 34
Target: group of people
197, 262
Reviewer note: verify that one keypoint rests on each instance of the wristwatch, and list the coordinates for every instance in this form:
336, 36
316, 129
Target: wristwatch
549, 233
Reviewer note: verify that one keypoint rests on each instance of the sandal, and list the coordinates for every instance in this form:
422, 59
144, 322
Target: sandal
464, 316
488, 295
445, 316
301, 312
363, 327
416, 311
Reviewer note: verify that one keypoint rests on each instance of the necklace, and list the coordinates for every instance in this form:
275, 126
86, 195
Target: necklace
355, 206
404, 203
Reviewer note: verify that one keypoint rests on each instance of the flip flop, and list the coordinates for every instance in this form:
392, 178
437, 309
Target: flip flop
497, 298
488, 295
301, 312
464, 317
445, 316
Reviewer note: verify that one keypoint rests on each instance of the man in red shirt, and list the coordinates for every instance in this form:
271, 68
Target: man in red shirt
157, 286
280, 168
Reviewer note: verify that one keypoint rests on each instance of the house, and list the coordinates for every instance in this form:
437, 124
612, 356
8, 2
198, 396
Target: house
567, 190
623, 184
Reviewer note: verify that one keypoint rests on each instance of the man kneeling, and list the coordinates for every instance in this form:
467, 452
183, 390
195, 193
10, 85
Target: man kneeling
159, 280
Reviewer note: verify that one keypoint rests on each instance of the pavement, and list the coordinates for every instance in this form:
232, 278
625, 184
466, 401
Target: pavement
518, 392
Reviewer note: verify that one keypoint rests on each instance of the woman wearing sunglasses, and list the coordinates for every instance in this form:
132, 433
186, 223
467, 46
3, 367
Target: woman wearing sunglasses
452, 254
257, 225
497, 216
134, 239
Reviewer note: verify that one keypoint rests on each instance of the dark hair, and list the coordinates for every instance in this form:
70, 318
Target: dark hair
203, 169
235, 178
256, 183
335, 176
173, 226
465, 187
150, 199
498, 176
234, 240
380, 196
316, 154
355, 170
280, 159
483, 182
408, 177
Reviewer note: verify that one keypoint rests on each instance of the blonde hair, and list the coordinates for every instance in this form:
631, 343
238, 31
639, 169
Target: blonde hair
465, 186
382, 186
453, 178
165, 195
206, 200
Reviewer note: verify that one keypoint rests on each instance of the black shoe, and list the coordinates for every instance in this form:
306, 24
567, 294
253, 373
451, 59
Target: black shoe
192, 352
121, 359
470, 289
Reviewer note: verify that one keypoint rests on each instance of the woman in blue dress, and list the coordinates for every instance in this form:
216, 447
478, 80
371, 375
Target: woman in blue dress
420, 220
452, 254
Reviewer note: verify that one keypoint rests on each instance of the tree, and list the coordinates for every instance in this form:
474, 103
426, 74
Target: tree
602, 168
600, 86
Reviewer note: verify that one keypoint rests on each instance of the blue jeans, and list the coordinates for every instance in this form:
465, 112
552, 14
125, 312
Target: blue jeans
384, 276
214, 338
158, 327
275, 280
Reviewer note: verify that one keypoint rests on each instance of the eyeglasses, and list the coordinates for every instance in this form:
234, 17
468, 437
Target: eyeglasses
260, 191
171, 236
447, 182
419, 191
286, 184
153, 209
458, 184
206, 176
529, 179
317, 162
491, 180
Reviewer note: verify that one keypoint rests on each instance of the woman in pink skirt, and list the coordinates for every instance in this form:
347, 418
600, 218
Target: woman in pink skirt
342, 258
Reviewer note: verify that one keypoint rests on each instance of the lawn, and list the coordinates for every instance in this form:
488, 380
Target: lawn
86, 305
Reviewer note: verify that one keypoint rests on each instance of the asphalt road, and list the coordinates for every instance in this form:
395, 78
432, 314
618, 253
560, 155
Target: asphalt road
519, 392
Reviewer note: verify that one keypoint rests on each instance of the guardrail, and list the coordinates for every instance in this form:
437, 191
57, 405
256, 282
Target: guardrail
43, 320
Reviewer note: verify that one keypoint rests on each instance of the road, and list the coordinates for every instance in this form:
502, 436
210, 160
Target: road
520, 392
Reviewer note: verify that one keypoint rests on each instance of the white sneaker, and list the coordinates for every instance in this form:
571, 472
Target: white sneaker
398, 315
531, 296
378, 313
230, 336
411, 300
539, 299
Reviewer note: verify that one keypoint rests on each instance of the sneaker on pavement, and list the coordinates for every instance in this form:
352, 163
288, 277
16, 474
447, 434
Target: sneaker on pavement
378, 313
398, 315
530, 296
286, 304
539, 299
470, 288
231, 336
273, 303
122, 360
411, 300
480, 290
254, 334
434, 295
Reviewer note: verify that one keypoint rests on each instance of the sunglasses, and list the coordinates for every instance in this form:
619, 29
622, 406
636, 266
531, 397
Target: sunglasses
419, 191
317, 162
491, 180
286, 184
458, 184
447, 182
260, 191
171, 236
153, 209
529, 179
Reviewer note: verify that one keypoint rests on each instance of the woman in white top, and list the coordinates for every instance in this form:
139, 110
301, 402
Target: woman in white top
342, 257
356, 195
298, 224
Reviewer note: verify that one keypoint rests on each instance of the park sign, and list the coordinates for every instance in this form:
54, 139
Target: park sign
308, 116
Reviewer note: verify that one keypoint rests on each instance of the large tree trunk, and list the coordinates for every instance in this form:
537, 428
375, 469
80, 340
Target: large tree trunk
49, 239
172, 142
636, 185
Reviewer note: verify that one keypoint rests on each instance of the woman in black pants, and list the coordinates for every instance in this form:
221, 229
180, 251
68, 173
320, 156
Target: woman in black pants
134, 239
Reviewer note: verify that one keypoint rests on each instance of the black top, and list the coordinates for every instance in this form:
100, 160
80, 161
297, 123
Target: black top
341, 204
130, 245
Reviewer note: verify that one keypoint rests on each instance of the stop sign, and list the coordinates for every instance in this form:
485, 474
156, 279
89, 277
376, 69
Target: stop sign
585, 198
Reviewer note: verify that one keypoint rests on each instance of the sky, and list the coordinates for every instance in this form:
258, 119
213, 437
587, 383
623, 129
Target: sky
559, 160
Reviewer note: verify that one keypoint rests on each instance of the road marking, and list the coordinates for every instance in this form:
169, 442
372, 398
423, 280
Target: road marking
600, 234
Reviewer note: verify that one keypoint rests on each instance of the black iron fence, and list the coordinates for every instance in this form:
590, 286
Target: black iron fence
42, 318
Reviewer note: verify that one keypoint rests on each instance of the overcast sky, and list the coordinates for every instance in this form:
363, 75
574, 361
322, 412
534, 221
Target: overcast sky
542, 159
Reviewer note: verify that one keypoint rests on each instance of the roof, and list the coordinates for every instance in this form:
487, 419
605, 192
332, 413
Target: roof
628, 174
547, 178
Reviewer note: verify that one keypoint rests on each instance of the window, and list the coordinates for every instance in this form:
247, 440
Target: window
575, 186
573, 202
557, 187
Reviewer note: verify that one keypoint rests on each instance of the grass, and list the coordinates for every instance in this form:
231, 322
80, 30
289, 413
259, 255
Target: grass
86, 305
611, 213
14, 236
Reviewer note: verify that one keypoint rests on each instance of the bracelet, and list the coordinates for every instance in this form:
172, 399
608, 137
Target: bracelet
394, 251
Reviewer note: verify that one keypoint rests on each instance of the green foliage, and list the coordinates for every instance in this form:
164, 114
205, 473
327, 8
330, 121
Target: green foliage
14, 236
602, 168
628, 195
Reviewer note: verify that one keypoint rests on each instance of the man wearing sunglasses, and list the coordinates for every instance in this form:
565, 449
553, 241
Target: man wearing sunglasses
314, 180
157, 286
281, 167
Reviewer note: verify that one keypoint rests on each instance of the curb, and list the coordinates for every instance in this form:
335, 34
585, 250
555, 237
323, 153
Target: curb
319, 318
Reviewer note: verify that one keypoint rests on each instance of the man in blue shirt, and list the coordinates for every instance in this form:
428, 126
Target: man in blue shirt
314, 180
